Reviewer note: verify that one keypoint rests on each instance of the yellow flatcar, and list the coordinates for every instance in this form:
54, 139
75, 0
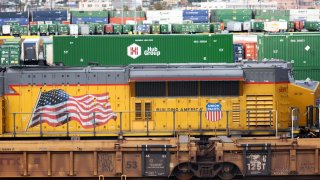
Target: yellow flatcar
155, 100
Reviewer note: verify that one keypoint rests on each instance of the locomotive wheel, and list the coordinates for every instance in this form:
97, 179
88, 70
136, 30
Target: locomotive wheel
182, 172
228, 171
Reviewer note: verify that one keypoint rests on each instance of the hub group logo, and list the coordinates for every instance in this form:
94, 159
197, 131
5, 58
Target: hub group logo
134, 51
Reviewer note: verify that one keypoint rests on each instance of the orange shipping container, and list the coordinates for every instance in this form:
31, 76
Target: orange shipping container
118, 20
250, 50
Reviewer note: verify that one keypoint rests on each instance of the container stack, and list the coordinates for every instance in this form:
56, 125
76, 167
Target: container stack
123, 17
196, 16
272, 15
166, 16
304, 15
86, 17
49, 17
226, 15
21, 18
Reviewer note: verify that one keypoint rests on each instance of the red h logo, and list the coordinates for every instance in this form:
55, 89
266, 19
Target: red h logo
133, 50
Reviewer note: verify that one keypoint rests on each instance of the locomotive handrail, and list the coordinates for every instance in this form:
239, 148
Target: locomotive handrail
150, 117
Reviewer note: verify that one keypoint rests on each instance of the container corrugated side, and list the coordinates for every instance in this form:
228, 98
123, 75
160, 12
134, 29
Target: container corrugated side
123, 50
302, 73
101, 14
301, 50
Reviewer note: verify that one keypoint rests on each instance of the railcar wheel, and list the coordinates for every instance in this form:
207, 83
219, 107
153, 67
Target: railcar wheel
182, 172
228, 171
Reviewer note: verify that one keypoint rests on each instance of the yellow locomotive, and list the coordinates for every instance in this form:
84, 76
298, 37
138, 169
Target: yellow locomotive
155, 100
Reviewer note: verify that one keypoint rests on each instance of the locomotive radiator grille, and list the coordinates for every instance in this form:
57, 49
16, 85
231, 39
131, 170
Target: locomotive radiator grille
259, 110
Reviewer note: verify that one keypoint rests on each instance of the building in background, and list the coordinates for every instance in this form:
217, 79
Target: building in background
95, 5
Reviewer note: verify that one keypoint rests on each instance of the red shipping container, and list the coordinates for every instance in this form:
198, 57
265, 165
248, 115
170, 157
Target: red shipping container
298, 25
250, 50
33, 22
118, 20
108, 28
222, 26
65, 22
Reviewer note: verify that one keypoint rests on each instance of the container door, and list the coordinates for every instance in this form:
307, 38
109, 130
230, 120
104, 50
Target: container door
29, 51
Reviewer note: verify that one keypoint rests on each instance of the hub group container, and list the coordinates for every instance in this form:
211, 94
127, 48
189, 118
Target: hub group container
301, 50
10, 52
128, 49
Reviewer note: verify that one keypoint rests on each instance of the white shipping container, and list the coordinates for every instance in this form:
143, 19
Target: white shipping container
74, 29
304, 12
48, 22
164, 13
238, 38
147, 21
6, 30
246, 26
275, 26
304, 18
84, 29
283, 25
234, 26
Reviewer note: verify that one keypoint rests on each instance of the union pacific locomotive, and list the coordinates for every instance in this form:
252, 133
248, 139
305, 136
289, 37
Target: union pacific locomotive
155, 100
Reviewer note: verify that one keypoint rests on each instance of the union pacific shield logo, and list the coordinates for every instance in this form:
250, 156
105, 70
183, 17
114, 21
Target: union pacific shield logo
213, 112
134, 51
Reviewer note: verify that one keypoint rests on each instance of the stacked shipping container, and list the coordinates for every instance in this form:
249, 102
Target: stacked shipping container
124, 17
196, 16
166, 16
22, 18
57, 16
226, 15
85, 17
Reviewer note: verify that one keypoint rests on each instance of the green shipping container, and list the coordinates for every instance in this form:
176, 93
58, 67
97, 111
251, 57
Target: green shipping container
10, 52
312, 25
63, 29
34, 29
202, 28
257, 26
227, 18
165, 28
130, 49
313, 73
272, 12
126, 28
43, 29
24, 30
16, 29
53, 29
100, 14
300, 49
272, 17
243, 12
155, 29
290, 25
99, 28
215, 27
117, 28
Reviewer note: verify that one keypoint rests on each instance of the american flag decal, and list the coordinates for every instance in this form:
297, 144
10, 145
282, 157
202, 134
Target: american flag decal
56, 108
213, 112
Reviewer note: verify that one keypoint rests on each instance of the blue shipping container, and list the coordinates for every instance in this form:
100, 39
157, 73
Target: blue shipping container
197, 19
50, 13
21, 21
86, 20
144, 28
49, 19
195, 13
14, 15
238, 52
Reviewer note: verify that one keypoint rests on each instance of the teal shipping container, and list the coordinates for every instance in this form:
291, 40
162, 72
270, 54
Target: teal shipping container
132, 49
